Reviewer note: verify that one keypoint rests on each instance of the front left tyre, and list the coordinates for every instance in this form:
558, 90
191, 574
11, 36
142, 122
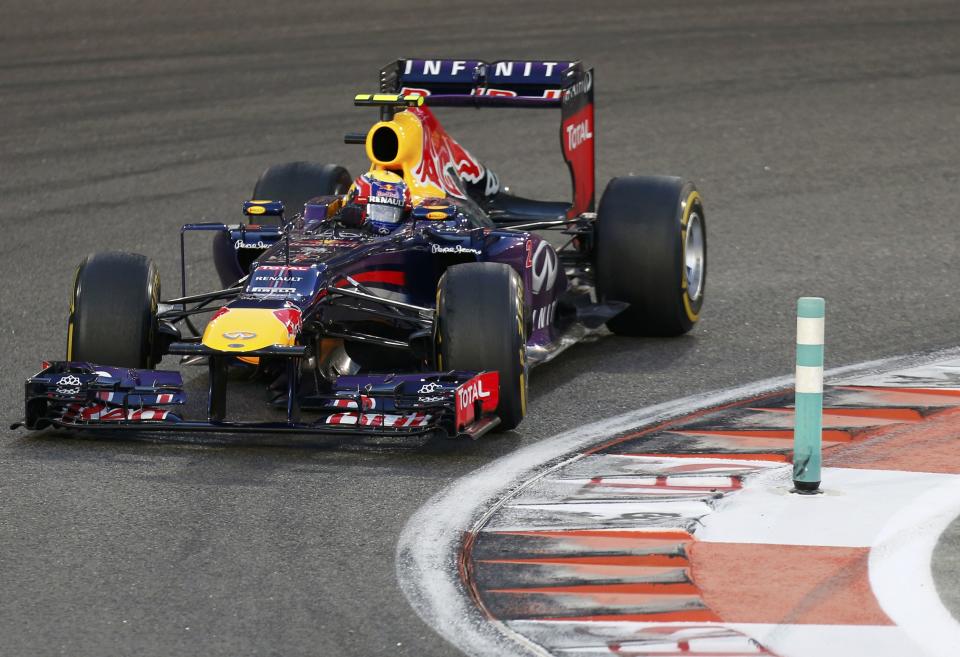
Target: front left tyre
113, 311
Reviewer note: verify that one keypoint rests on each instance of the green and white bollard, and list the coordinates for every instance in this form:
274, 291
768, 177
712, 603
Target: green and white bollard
808, 419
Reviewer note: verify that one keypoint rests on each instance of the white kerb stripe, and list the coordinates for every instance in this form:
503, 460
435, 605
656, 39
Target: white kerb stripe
809, 330
809, 379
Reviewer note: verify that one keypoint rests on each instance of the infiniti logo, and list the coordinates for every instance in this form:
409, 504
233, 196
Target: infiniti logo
544, 268
239, 335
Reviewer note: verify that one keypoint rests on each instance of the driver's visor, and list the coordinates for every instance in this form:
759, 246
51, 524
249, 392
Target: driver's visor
387, 214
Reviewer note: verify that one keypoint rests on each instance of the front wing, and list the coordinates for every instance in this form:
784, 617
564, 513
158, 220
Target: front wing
87, 396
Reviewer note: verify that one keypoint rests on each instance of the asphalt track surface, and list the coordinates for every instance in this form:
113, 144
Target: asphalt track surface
821, 134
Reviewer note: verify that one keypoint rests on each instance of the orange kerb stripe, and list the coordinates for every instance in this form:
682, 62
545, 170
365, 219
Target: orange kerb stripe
657, 560
665, 426
900, 414
672, 589
691, 616
633, 535
732, 456
929, 446
946, 392
834, 435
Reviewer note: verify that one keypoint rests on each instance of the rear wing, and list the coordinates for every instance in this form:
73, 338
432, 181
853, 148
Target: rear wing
513, 83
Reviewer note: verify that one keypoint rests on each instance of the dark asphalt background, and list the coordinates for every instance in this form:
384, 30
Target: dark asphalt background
823, 136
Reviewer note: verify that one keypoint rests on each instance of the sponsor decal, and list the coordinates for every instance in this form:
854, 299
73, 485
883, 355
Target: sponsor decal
544, 273
386, 200
291, 318
543, 317
68, 385
282, 268
426, 400
463, 70
279, 279
314, 247
104, 413
444, 162
367, 402
440, 67
338, 234
577, 138
471, 392
551, 94
240, 244
380, 419
239, 335
427, 388
273, 290
493, 184
578, 88
483, 388
526, 69
503, 93
415, 91
282, 280
578, 133
459, 248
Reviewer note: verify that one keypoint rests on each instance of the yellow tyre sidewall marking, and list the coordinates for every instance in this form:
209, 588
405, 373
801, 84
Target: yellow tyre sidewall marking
523, 352
688, 205
73, 307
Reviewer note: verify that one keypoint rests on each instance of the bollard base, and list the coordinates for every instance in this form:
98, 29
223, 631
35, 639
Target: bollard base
806, 488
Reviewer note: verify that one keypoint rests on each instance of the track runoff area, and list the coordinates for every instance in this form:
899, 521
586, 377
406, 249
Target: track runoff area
781, 518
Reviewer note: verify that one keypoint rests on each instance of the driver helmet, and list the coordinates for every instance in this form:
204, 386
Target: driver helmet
385, 199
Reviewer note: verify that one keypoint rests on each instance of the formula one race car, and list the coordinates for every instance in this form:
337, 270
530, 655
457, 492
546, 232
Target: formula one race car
412, 300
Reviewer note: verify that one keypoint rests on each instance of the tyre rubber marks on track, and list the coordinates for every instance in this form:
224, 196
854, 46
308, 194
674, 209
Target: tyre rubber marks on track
681, 538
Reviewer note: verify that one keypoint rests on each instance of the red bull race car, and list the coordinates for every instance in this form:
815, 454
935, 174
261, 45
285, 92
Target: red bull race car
413, 299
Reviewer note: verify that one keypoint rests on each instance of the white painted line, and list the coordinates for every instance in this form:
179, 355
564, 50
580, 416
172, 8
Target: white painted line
900, 571
564, 637
810, 330
809, 379
831, 640
766, 512
940, 374
429, 544
730, 638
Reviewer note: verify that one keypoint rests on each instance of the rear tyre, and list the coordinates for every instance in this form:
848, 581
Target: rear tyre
113, 313
295, 183
480, 326
651, 252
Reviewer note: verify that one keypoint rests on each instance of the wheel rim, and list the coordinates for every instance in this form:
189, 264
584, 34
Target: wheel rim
693, 256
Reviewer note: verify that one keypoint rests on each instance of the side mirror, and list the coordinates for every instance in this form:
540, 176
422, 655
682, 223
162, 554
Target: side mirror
257, 209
